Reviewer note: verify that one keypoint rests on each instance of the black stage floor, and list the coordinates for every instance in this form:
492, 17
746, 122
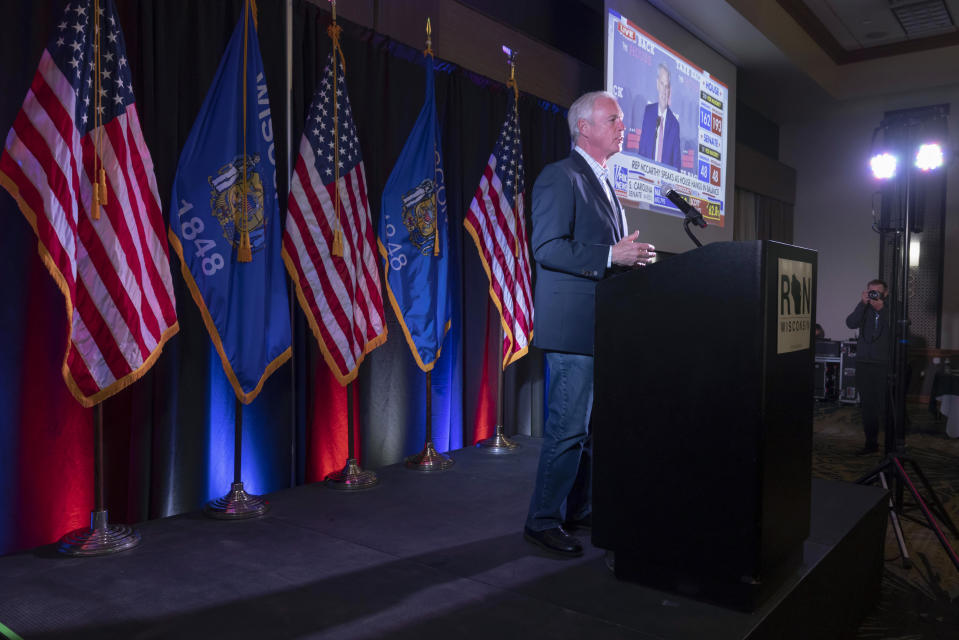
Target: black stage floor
422, 556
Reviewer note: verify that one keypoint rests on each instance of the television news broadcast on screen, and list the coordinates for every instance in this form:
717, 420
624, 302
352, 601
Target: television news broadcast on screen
675, 115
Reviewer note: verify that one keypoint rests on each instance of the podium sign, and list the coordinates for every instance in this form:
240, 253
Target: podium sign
794, 307
702, 419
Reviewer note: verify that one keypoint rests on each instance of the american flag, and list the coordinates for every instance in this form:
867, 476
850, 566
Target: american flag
496, 222
115, 271
340, 295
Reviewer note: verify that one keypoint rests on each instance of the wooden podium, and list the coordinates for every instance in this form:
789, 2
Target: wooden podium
702, 419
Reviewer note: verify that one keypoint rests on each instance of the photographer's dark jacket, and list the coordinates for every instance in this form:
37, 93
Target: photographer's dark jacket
875, 333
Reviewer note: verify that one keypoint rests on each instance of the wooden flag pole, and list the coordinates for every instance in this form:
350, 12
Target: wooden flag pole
498, 443
237, 504
429, 459
351, 477
100, 538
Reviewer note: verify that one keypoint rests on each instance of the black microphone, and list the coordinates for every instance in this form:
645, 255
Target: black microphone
693, 215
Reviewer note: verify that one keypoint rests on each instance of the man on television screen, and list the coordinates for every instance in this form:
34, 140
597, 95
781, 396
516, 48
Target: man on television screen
659, 139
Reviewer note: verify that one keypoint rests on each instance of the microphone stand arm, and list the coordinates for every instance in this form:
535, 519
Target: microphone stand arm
690, 233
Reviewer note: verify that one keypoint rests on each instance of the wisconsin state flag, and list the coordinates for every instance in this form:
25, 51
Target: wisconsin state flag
225, 222
414, 238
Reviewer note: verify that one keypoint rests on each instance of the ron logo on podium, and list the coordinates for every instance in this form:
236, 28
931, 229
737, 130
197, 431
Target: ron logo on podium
795, 305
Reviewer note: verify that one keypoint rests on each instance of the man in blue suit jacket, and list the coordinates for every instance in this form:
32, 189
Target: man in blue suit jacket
579, 237
659, 138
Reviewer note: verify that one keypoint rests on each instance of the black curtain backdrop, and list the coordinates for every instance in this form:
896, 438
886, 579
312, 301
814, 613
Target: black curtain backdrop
158, 441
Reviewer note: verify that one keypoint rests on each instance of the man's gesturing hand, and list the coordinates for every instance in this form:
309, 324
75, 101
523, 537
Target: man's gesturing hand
629, 253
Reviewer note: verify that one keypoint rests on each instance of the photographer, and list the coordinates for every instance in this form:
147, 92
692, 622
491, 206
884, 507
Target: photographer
871, 318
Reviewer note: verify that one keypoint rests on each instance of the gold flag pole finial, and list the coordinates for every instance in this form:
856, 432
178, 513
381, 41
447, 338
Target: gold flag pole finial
334, 30
511, 61
429, 41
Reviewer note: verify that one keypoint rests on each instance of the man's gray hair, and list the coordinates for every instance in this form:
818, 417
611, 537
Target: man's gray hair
582, 109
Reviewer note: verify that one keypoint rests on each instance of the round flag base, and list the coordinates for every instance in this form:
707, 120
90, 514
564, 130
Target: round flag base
99, 539
236, 505
498, 443
351, 477
429, 459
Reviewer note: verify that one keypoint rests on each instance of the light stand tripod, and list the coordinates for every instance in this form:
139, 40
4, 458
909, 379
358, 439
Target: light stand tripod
894, 464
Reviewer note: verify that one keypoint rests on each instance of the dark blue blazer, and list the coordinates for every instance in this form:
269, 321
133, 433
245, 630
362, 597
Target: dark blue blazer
574, 226
647, 138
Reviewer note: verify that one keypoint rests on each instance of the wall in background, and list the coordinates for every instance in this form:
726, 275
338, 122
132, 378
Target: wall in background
472, 40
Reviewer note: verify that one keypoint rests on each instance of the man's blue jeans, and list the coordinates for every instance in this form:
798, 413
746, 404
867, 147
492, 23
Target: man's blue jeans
564, 474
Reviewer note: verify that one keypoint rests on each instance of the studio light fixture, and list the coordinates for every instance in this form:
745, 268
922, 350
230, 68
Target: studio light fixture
883, 166
929, 157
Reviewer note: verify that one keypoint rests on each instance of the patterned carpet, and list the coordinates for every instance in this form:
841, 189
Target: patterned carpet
921, 602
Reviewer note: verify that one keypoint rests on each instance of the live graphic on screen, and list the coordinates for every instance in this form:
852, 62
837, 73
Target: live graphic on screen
675, 115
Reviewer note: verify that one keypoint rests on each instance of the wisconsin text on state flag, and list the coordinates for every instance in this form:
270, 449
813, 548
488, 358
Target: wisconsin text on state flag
328, 244
224, 201
100, 233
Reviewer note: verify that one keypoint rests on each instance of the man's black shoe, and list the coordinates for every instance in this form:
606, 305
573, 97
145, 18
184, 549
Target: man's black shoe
868, 450
555, 540
585, 523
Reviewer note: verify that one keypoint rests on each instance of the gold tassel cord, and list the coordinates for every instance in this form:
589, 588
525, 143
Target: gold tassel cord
515, 118
98, 186
103, 173
334, 31
103, 186
436, 223
436, 211
244, 252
